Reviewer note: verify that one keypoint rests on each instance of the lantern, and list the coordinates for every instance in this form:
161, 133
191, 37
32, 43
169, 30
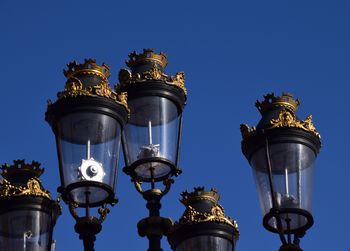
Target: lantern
151, 139
28, 214
282, 150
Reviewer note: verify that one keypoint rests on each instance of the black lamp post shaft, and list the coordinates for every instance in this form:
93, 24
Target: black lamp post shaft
154, 226
89, 242
154, 205
154, 243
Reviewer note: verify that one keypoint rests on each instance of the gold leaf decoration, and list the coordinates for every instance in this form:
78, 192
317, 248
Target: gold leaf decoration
32, 188
155, 73
75, 88
288, 119
216, 214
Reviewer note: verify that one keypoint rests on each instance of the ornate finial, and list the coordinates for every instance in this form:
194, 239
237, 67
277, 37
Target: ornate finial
88, 67
19, 167
199, 193
270, 100
148, 55
247, 131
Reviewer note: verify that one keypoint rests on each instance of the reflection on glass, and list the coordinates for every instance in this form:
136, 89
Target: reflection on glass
25, 231
88, 145
152, 132
292, 167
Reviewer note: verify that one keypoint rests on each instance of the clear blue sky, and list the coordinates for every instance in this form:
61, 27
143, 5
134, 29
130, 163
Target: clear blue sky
233, 52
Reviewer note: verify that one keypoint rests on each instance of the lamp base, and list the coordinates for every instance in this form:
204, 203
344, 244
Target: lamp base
290, 247
87, 228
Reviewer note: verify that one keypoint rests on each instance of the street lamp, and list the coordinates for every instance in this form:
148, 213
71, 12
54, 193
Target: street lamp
204, 225
87, 120
28, 214
151, 139
282, 150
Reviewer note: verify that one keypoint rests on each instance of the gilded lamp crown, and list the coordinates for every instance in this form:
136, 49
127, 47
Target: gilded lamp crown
199, 193
197, 210
20, 167
88, 67
148, 55
270, 100
22, 179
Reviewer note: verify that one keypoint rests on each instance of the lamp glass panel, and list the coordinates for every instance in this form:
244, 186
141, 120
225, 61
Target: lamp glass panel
88, 146
152, 131
292, 167
25, 230
205, 243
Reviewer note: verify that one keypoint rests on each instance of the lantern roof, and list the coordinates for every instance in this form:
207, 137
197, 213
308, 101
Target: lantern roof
148, 67
89, 67
147, 56
22, 179
202, 206
279, 112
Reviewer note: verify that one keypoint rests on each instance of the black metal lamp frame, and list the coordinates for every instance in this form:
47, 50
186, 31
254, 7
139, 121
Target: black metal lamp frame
154, 227
159, 89
265, 138
88, 226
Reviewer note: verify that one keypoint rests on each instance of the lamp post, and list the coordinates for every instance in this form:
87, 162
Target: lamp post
151, 139
282, 150
28, 214
204, 225
87, 120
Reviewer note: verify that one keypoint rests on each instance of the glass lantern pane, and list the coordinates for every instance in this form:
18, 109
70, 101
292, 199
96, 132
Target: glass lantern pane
88, 146
152, 131
205, 243
26, 230
292, 173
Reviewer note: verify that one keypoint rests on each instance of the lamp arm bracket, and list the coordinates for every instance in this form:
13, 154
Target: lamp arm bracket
167, 185
103, 211
72, 209
138, 186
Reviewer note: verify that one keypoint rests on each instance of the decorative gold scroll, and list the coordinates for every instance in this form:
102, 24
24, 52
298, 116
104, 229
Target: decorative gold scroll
32, 188
75, 88
286, 119
155, 74
216, 214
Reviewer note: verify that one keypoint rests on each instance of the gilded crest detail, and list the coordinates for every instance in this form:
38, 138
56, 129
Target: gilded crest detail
75, 88
216, 214
32, 188
155, 73
288, 119
285, 119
